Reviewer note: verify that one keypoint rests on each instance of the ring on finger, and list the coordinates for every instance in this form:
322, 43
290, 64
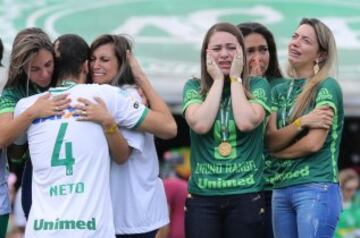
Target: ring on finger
84, 113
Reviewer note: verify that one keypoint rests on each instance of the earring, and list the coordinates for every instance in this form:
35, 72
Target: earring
316, 66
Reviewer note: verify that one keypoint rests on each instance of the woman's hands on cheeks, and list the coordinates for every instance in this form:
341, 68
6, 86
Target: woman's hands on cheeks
213, 68
237, 64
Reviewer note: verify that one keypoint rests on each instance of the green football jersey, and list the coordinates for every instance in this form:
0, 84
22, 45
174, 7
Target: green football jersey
322, 165
11, 95
270, 165
242, 170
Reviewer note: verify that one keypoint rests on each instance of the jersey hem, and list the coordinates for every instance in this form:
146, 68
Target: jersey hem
142, 229
255, 190
303, 182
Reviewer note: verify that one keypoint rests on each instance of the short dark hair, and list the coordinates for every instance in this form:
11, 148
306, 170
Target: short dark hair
273, 70
1, 52
71, 52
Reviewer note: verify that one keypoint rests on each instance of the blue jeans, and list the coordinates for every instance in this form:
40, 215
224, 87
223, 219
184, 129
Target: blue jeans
306, 211
228, 216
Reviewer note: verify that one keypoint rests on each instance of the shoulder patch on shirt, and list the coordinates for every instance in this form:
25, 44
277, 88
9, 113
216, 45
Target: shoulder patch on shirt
260, 93
192, 94
324, 94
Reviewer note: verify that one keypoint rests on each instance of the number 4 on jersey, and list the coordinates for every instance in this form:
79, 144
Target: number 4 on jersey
68, 161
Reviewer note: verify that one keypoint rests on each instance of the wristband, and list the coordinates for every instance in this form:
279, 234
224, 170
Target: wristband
235, 79
297, 124
111, 129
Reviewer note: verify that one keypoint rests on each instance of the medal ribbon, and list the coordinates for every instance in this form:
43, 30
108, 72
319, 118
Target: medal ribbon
285, 115
224, 119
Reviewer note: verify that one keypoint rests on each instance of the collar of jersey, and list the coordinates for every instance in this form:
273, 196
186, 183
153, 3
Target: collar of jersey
299, 81
64, 86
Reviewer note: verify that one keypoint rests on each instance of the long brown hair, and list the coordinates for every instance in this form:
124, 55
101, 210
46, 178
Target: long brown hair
206, 81
327, 47
121, 44
27, 44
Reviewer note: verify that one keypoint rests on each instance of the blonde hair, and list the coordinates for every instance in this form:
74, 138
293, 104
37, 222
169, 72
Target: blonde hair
327, 47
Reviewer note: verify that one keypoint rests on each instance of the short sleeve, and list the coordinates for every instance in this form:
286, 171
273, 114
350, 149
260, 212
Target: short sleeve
329, 93
274, 99
191, 93
8, 101
260, 90
127, 111
135, 139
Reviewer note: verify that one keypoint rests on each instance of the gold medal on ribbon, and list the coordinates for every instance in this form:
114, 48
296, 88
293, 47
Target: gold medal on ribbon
225, 149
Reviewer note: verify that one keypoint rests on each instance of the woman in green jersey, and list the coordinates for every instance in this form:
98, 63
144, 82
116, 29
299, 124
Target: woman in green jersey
225, 110
262, 60
306, 196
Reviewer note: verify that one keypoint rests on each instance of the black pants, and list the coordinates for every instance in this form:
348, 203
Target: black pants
231, 216
26, 193
268, 223
150, 234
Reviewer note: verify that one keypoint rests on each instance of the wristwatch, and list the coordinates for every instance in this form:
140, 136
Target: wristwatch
235, 79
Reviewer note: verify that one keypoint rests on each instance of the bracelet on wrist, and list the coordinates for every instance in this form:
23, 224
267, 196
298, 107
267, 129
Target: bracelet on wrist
111, 129
297, 124
235, 79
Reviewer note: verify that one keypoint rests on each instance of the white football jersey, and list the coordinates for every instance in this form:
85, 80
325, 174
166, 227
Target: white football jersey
71, 165
137, 192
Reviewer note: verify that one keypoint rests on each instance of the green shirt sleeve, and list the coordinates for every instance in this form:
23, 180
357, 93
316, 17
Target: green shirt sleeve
260, 89
191, 94
274, 99
8, 100
329, 93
